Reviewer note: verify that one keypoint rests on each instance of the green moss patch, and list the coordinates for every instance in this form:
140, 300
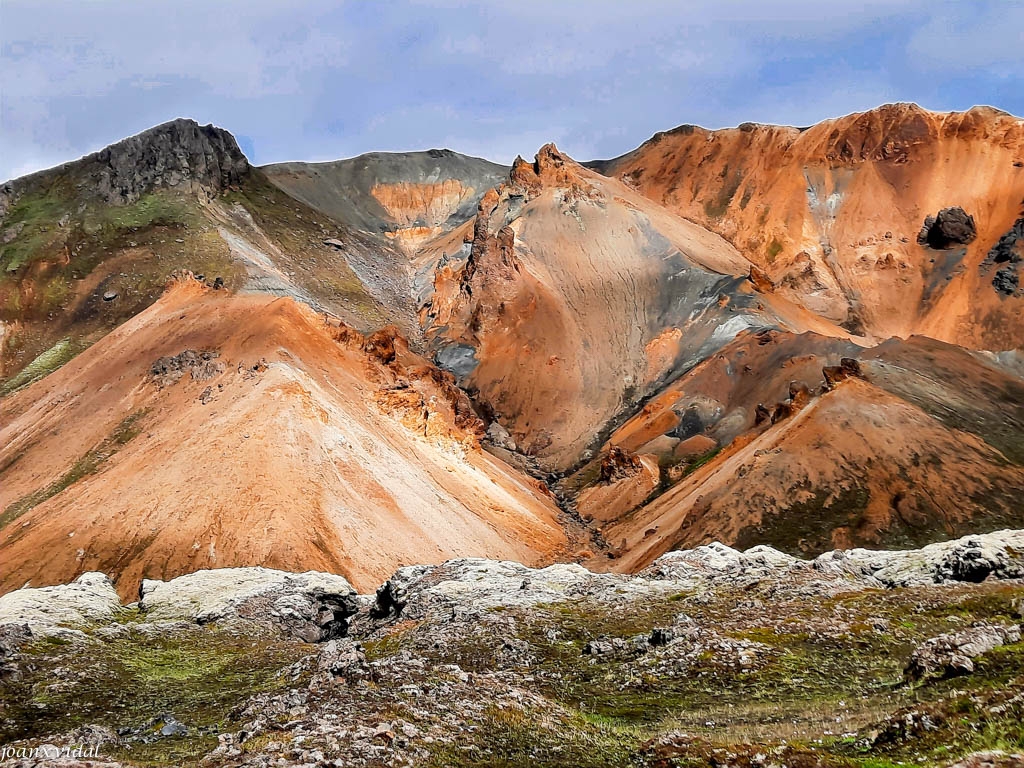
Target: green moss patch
199, 676
516, 738
41, 366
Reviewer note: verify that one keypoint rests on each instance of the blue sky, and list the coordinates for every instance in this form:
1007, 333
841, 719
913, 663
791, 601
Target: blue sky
324, 80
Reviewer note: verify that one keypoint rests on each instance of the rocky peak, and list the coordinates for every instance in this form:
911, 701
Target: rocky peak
888, 133
524, 174
179, 154
549, 168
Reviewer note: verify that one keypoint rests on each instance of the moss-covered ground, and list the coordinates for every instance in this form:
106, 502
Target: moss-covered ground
821, 691
828, 688
133, 681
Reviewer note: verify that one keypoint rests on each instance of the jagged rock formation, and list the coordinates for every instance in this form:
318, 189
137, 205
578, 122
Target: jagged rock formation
848, 368
180, 154
310, 606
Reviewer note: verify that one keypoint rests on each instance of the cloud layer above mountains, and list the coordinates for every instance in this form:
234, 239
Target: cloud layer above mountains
323, 80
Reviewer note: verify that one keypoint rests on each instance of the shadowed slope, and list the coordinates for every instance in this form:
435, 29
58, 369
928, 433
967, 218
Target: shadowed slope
409, 197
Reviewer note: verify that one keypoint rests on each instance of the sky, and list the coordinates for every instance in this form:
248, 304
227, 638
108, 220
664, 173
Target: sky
311, 80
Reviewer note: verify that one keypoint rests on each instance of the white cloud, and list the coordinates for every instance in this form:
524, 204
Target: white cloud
318, 79
965, 36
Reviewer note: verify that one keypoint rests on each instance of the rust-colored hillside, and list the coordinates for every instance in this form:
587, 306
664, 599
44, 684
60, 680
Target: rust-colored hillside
833, 213
805, 337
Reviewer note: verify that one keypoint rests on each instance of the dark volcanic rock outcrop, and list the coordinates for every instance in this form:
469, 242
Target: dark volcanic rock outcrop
1010, 247
952, 226
180, 154
1007, 252
1006, 281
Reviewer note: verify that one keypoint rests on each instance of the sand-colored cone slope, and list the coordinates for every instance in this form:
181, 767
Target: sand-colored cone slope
285, 441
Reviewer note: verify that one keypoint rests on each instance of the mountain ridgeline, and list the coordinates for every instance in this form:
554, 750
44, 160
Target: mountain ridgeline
804, 337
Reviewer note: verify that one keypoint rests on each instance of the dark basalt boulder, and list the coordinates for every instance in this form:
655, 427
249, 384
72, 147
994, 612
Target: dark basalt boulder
951, 226
1006, 281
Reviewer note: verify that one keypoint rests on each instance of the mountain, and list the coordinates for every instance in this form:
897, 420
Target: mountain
287, 446
87, 245
214, 429
835, 214
569, 298
804, 337
408, 197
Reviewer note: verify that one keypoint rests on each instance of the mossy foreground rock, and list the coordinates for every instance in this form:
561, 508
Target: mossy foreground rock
710, 657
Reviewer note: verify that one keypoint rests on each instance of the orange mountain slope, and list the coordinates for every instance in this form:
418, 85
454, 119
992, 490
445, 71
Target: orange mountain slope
298, 444
833, 213
805, 337
904, 443
569, 298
